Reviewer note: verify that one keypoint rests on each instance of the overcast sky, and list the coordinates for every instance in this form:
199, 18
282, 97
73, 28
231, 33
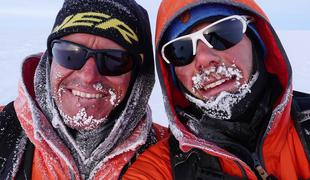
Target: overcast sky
284, 14
287, 15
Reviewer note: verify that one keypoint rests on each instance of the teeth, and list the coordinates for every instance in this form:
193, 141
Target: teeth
86, 95
212, 85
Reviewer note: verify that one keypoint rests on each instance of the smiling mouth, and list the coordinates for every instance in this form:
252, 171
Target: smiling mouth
215, 84
208, 80
86, 95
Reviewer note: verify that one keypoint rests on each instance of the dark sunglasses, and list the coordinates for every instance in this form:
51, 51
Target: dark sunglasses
110, 62
220, 35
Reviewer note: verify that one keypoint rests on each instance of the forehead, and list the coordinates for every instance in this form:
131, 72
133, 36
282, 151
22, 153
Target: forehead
93, 41
203, 23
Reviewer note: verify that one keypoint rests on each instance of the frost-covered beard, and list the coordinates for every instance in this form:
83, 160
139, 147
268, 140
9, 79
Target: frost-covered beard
204, 75
220, 106
81, 120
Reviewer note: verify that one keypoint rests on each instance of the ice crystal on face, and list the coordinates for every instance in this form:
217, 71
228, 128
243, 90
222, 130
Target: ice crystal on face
59, 93
220, 72
98, 87
113, 97
220, 107
197, 81
82, 120
59, 75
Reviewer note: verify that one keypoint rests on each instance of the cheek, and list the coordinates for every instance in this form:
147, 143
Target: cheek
242, 54
184, 75
246, 59
120, 83
58, 74
181, 76
124, 83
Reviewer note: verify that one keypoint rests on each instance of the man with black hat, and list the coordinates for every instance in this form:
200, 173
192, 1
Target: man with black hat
82, 107
227, 85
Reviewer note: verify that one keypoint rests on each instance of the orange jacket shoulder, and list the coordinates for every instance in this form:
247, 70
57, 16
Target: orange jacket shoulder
153, 163
160, 131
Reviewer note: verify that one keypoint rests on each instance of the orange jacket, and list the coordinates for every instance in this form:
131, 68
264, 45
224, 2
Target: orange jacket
282, 151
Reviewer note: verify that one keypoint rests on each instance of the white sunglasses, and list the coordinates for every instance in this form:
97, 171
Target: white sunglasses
220, 35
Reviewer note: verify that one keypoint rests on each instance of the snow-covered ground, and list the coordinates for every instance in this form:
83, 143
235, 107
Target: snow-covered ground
24, 32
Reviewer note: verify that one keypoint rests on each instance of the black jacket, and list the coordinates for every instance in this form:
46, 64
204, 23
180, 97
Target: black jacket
196, 164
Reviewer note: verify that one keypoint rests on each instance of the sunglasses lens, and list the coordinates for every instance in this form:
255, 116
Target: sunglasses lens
224, 35
179, 53
109, 62
69, 55
114, 62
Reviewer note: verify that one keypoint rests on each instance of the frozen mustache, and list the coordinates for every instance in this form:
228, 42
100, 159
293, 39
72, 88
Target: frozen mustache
221, 73
220, 107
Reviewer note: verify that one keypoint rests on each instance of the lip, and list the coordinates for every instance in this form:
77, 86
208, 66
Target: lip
91, 95
217, 86
86, 95
70, 102
216, 83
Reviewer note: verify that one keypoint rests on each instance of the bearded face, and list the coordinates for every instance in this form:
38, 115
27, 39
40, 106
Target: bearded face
218, 79
84, 97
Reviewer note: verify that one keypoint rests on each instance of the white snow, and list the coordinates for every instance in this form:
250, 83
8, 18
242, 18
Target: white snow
82, 120
25, 26
201, 78
220, 107
112, 96
98, 87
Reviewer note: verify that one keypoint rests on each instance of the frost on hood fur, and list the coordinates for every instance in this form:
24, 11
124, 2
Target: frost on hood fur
45, 129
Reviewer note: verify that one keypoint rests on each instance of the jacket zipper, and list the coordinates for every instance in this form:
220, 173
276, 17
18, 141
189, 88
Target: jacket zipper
257, 157
261, 171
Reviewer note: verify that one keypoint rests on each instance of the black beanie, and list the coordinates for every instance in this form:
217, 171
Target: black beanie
113, 19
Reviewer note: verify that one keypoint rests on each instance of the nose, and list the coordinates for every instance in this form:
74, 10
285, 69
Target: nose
89, 72
206, 56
